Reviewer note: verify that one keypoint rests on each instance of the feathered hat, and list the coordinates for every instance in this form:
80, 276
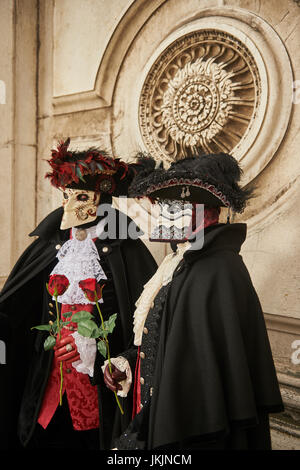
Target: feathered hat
211, 179
91, 169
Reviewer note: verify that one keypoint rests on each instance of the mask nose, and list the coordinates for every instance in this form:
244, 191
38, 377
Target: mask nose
80, 207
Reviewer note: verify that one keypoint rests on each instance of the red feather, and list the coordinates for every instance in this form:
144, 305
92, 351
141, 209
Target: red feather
64, 170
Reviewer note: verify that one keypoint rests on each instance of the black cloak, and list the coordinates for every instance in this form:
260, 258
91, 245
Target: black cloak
212, 382
24, 302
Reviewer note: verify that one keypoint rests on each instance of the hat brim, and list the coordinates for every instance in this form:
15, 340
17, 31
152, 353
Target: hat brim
185, 190
211, 179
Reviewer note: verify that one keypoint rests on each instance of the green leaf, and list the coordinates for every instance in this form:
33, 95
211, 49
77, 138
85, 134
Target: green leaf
111, 323
96, 333
109, 326
87, 328
67, 314
101, 346
102, 333
82, 315
65, 323
49, 343
42, 327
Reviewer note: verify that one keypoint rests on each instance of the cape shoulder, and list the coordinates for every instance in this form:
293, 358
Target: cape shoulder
214, 354
34, 259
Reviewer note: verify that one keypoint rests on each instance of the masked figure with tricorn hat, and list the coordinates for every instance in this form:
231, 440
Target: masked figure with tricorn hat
56, 398
204, 373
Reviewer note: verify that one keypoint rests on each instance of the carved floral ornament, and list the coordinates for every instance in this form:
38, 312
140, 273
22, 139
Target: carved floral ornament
201, 93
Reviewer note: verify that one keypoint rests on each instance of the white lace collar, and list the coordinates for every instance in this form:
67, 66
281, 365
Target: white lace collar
161, 278
79, 260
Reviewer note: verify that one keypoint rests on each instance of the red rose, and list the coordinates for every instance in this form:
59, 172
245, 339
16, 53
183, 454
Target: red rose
92, 289
58, 284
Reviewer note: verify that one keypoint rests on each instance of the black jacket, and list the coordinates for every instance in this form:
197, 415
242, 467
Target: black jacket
208, 377
24, 302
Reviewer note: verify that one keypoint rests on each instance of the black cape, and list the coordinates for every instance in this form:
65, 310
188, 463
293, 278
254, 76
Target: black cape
214, 382
24, 302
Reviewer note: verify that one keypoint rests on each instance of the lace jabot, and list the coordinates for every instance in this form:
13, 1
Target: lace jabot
161, 278
79, 260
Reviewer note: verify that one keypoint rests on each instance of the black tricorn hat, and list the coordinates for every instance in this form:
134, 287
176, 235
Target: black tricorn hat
210, 179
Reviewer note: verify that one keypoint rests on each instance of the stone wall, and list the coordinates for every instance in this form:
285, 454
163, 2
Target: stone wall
127, 76
18, 124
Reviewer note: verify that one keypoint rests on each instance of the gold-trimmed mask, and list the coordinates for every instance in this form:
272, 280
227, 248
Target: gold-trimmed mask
80, 207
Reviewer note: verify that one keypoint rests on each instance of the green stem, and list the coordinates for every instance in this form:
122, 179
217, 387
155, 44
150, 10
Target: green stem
59, 337
108, 353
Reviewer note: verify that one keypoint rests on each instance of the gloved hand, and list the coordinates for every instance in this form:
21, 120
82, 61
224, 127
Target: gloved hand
63, 351
112, 379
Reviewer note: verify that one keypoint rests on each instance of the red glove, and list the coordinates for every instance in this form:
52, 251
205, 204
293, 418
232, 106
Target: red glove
63, 350
112, 379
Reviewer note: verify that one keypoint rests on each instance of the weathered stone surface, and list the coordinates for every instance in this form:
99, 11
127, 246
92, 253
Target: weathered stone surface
18, 129
82, 32
6, 137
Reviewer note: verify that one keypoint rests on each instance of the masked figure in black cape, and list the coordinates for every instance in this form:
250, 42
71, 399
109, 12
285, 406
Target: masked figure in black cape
204, 375
75, 241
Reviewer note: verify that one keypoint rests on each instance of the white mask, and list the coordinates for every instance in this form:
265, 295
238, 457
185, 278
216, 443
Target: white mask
174, 222
80, 207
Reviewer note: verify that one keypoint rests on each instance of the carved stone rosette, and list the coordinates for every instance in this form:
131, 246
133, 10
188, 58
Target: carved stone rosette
201, 94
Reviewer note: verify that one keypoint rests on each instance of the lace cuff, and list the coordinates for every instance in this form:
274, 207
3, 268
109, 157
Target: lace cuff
87, 350
123, 365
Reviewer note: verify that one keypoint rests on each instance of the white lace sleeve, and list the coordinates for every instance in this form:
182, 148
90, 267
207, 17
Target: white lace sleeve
87, 350
123, 365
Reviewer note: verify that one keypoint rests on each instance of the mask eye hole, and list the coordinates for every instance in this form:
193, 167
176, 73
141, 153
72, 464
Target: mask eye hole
66, 196
82, 197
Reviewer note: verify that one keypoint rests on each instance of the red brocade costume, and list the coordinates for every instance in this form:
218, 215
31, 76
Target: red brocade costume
30, 392
81, 395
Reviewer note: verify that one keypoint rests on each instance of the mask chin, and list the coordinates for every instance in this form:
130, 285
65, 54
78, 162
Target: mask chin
70, 220
174, 222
